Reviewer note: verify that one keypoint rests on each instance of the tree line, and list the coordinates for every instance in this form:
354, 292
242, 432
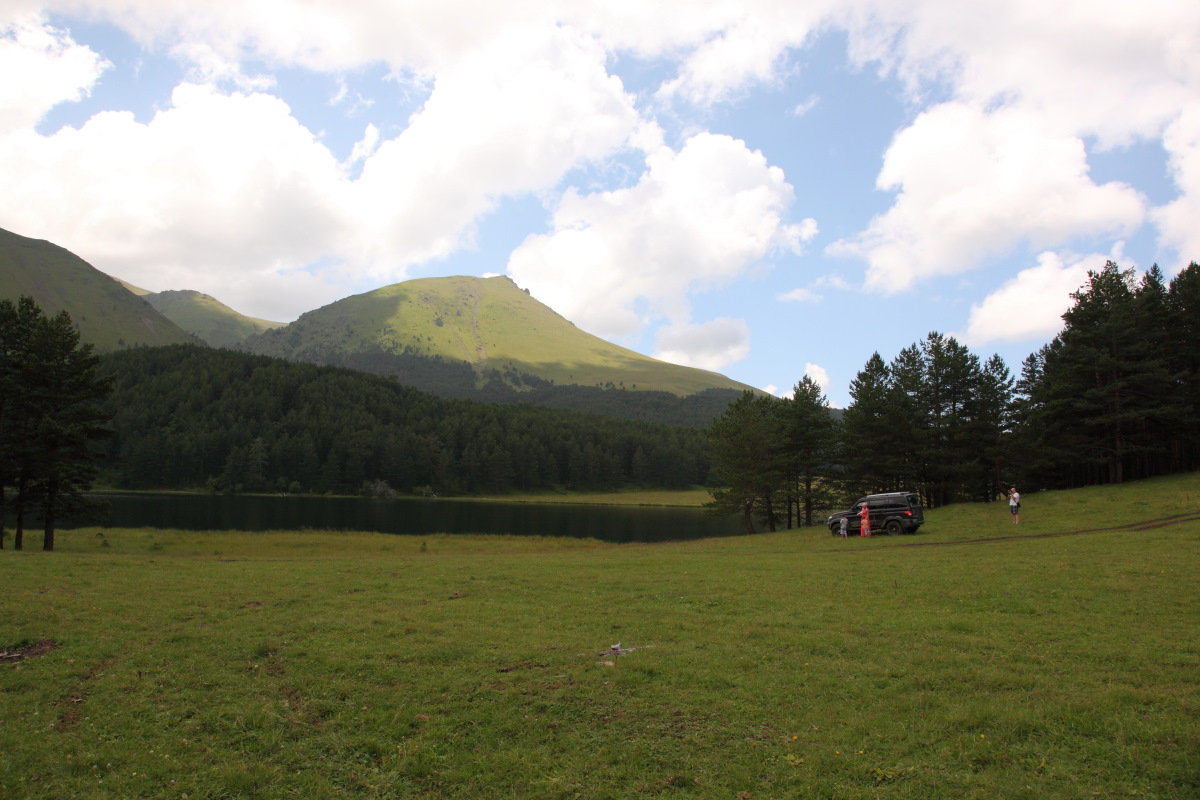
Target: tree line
192, 417
1115, 396
51, 419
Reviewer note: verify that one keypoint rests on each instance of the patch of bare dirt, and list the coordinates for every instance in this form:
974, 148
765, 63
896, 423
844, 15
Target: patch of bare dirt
15, 654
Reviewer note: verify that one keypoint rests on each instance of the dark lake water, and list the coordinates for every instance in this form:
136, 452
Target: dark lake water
411, 516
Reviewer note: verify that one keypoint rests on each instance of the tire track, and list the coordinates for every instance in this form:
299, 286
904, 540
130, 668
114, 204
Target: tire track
1136, 527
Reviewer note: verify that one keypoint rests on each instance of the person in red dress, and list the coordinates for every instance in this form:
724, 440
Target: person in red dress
865, 515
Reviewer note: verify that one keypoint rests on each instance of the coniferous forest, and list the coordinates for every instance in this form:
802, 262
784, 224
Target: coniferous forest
1114, 397
192, 417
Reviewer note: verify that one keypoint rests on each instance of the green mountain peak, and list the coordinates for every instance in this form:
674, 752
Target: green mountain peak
489, 323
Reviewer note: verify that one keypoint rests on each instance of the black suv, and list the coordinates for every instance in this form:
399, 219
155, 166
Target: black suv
893, 513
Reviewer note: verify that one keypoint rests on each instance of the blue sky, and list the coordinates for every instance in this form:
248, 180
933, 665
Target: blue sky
765, 189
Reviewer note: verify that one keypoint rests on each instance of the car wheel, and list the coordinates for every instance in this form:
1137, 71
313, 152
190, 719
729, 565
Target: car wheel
894, 528
835, 530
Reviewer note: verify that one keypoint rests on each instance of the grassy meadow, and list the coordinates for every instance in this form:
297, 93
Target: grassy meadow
977, 659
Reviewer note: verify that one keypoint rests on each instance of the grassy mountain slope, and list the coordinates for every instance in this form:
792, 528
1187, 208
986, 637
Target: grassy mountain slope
139, 291
488, 323
207, 317
107, 314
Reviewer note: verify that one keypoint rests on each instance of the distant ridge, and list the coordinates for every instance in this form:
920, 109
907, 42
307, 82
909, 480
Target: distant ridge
488, 324
207, 317
108, 315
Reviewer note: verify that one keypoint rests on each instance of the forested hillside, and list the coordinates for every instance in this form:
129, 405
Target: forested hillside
189, 417
457, 380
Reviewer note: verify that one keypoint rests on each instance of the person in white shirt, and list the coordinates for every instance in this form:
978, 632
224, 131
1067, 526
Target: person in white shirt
1014, 505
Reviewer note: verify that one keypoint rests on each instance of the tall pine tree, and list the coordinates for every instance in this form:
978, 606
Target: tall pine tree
52, 418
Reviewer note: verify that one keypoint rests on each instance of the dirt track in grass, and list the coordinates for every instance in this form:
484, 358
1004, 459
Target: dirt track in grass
1145, 525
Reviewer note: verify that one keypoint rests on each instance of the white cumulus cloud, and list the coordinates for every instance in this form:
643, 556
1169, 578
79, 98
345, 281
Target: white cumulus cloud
1179, 220
707, 345
224, 191
40, 68
697, 219
800, 295
1030, 306
975, 184
1029, 83
212, 191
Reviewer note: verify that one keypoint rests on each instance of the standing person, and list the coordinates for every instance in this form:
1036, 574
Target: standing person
864, 528
1014, 505
845, 527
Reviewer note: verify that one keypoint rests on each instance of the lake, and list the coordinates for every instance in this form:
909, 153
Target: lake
411, 516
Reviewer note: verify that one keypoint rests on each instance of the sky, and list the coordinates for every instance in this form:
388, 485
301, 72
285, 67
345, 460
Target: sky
764, 188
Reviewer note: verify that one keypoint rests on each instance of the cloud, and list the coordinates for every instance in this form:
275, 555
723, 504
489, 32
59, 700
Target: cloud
1179, 220
974, 184
507, 120
42, 67
807, 106
1105, 69
212, 191
519, 95
744, 50
818, 374
697, 219
228, 189
365, 147
1030, 306
833, 281
709, 345
801, 296
209, 66
1027, 83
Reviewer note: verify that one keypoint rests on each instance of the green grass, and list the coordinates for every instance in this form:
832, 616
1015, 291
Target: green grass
320, 665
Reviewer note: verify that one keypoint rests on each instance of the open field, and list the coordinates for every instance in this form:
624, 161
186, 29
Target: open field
957, 663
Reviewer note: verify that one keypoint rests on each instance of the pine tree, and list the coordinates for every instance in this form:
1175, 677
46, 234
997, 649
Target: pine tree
992, 419
951, 378
908, 416
810, 435
52, 419
747, 452
1110, 369
867, 430
1183, 300
17, 325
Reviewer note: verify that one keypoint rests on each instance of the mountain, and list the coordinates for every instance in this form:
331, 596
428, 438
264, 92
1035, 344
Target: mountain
108, 315
207, 317
488, 325
460, 338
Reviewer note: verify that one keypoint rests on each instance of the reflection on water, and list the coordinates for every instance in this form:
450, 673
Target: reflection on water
413, 517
